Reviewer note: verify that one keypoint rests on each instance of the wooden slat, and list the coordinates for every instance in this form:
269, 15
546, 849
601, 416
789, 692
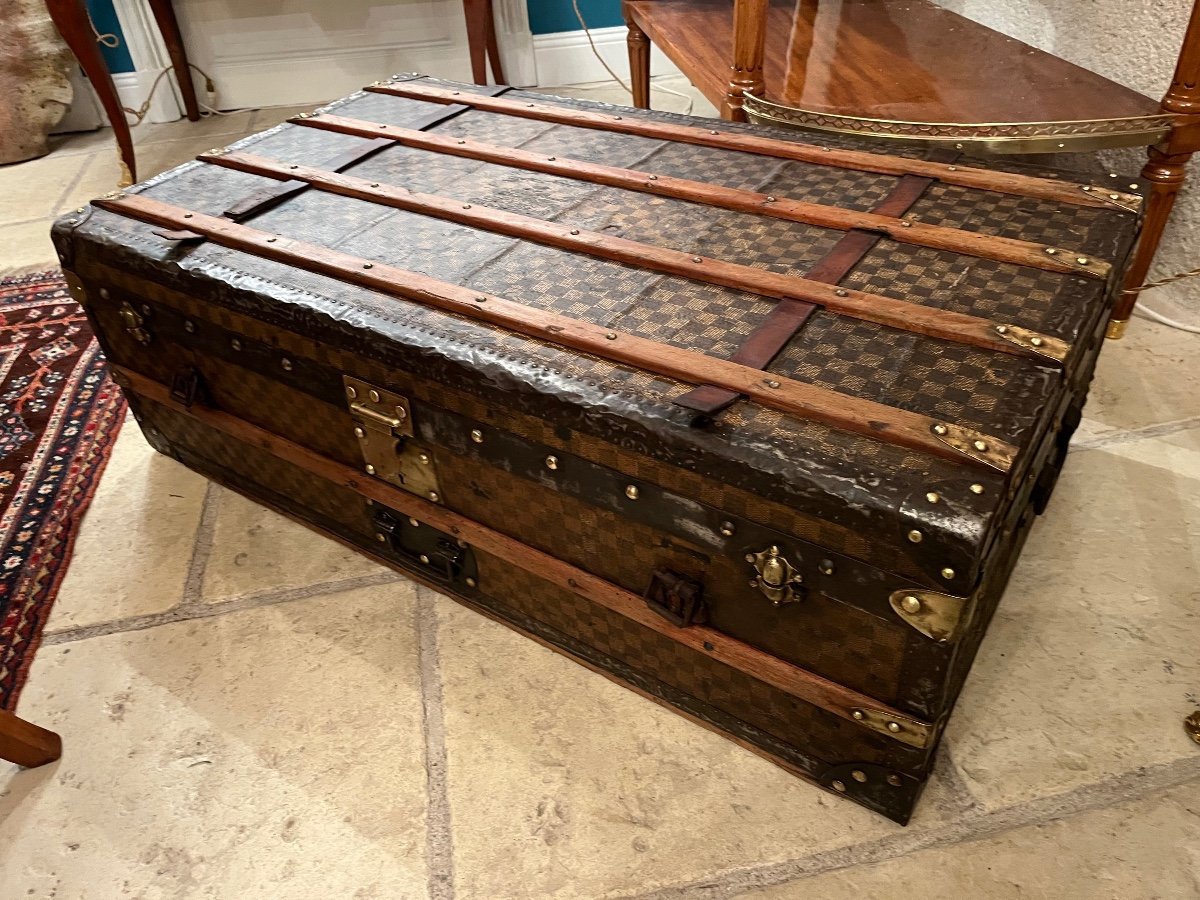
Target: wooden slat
927, 320
938, 237
842, 411
860, 160
790, 679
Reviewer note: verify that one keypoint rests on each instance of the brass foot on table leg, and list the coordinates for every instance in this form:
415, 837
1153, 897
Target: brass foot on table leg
1116, 329
126, 175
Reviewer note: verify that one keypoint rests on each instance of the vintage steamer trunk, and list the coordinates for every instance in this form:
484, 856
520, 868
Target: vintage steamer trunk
753, 426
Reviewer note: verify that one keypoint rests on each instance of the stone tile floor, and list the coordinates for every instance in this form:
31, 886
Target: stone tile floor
251, 711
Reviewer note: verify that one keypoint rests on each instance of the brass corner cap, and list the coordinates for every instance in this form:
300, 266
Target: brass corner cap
1116, 329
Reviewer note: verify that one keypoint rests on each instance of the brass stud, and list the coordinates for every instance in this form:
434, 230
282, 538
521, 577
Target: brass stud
374, 184
359, 432
948, 573
933, 496
894, 780
1002, 329
380, 536
771, 383
462, 142
104, 293
981, 446
915, 536
374, 395
770, 199
977, 488
749, 557
839, 786
1082, 260
911, 604
189, 326
413, 522
477, 435
697, 259
1134, 187
471, 582
652, 177
893, 727
424, 558
712, 132
859, 775
370, 469
952, 168
1051, 251
552, 462
351, 392
187, 215
551, 158
481, 299
287, 364
1036, 341
574, 231
859, 715
826, 567
423, 458
272, 240
727, 529
466, 206
235, 344
612, 336
905, 223
1114, 196
433, 495
842, 292
1087, 188
368, 265
632, 492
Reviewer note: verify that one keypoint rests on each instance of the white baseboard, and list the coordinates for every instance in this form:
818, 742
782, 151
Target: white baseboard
566, 58
86, 113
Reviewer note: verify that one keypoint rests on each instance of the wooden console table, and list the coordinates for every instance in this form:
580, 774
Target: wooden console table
70, 17
909, 71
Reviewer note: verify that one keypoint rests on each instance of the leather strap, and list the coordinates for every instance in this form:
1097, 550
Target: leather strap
789, 316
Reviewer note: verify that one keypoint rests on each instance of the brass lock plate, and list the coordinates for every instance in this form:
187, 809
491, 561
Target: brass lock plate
382, 422
775, 577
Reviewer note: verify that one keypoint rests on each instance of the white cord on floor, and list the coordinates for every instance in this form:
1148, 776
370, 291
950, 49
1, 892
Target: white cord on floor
617, 78
1155, 316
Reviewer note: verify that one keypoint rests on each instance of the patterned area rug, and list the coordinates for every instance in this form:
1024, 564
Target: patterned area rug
59, 416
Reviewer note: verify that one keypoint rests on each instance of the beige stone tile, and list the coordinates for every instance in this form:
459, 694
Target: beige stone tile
133, 550
101, 174
270, 116
26, 246
209, 126
1150, 376
1142, 850
29, 190
274, 752
1090, 664
256, 550
563, 784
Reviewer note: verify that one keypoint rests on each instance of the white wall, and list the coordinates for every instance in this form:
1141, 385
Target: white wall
1134, 42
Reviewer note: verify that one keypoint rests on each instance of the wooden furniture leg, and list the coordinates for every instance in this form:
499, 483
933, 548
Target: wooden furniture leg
27, 744
475, 12
749, 41
71, 19
639, 63
493, 45
168, 26
1167, 168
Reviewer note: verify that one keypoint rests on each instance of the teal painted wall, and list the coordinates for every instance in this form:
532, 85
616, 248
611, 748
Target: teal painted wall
549, 16
105, 19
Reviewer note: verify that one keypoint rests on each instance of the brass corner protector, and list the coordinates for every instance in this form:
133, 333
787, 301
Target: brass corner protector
901, 728
1116, 329
1035, 342
980, 447
1192, 726
936, 615
1120, 199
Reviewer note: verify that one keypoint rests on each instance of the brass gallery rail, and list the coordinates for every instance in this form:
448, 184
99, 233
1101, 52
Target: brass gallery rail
864, 417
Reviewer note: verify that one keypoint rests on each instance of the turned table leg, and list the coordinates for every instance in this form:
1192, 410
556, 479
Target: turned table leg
168, 26
71, 20
749, 41
639, 63
27, 744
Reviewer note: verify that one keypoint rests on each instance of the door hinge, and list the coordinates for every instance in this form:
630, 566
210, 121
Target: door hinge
382, 422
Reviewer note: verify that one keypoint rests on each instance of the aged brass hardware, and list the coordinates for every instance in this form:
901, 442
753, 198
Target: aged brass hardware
1042, 344
436, 554
1192, 726
382, 423
906, 730
935, 615
979, 447
776, 578
135, 323
1121, 200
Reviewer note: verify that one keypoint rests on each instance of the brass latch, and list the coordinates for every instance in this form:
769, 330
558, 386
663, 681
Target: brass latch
383, 425
777, 579
134, 323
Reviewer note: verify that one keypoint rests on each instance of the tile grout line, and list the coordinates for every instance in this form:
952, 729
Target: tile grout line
1143, 432
190, 612
439, 835
202, 547
66, 192
1132, 785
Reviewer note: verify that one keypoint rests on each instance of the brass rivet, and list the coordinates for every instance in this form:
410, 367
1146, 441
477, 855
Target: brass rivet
413, 522
235, 344
842, 292
697, 259
481, 299
189, 326
368, 265
1133, 187
103, 293
952, 168
958, 146
1061, 146
727, 529
1114, 196
859, 714
293, 167
905, 224
187, 215
424, 558
981, 446
551, 462
271, 240
839, 786
359, 432
1002, 329
287, 364
652, 177
632, 492
374, 395
423, 458
893, 727
471, 582
911, 604
894, 780
477, 435
433, 495
380, 536
933, 496
462, 142
826, 567
770, 199
948, 573
370, 469
351, 392
611, 336
401, 412
1051, 251
551, 158
466, 206
374, 184
1036, 341
1082, 260
977, 489
574, 231
915, 536
1087, 188
771, 383
859, 775
749, 557
712, 132
940, 429
382, 125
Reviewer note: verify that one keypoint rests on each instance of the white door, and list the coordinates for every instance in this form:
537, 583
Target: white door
283, 52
